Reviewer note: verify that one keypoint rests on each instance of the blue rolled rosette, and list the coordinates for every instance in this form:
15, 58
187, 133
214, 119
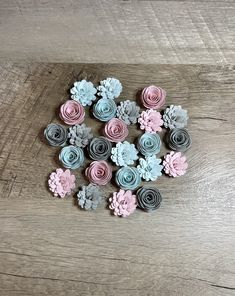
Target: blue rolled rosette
149, 144
104, 109
128, 178
71, 157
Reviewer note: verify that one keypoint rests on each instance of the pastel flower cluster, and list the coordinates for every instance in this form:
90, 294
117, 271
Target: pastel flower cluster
136, 162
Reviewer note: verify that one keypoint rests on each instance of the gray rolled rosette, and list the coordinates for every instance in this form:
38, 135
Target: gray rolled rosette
179, 139
71, 157
128, 178
56, 134
104, 109
149, 144
99, 148
148, 198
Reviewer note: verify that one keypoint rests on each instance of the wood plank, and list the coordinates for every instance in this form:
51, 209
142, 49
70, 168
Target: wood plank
50, 247
171, 32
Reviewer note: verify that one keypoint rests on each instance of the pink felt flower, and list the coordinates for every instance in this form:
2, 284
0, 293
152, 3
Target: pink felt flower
150, 121
72, 112
99, 172
123, 203
175, 164
61, 182
116, 130
153, 97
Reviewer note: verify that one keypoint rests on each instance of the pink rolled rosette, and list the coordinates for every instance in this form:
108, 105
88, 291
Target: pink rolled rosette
116, 130
99, 172
153, 97
72, 112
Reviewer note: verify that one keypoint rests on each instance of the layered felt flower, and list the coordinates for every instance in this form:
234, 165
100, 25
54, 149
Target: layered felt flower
149, 144
116, 130
99, 172
175, 164
179, 139
128, 111
124, 154
150, 121
89, 197
148, 198
72, 112
71, 157
104, 109
56, 134
80, 135
61, 182
84, 92
109, 88
175, 117
150, 168
123, 203
128, 178
153, 97
99, 148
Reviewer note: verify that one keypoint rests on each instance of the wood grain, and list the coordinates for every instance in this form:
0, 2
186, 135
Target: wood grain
145, 31
50, 247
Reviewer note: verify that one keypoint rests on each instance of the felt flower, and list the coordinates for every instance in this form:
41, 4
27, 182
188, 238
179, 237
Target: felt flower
104, 109
150, 168
56, 134
99, 148
128, 178
175, 117
150, 121
109, 88
84, 92
179, 139
124, 154
72, 112
61, 182
153, 97
99, 172
89, 197
71, 157
116, 130
80, 135
149, 144
123, 203
128, 111
148, 198
175, 164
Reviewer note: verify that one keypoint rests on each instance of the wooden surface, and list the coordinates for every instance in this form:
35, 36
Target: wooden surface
50, 247
176, 31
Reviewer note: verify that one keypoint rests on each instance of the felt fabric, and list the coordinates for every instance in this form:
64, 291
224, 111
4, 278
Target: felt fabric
124, 154
99, 172
175, 117
72, 112
123, 203
99, 148
128, 178
148, 198
89, 197
178, 139
84, 92
128, 111
175, 164
104, 109
80, 135
150, 121
149, 144
116, 130
153, 97
71, 157
109, 88
150, 168
56, 134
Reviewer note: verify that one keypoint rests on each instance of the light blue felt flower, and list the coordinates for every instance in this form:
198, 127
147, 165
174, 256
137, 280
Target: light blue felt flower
71, 157
124, 154
128, 178
149, 144
84, 92
109, 88
150, 168
104, 109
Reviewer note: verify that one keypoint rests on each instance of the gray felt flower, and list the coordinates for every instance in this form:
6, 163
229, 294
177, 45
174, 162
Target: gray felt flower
128, 111
175, 117
89, 197
179, 139
99, 148
148, 198
56, 134
80, 135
